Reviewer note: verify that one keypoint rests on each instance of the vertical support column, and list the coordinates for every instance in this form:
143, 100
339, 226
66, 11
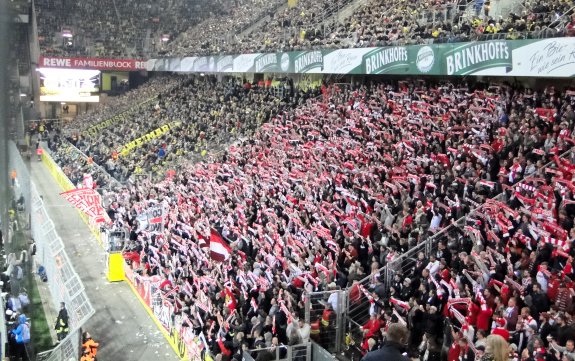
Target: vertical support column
342, 307
4, 124
307, 308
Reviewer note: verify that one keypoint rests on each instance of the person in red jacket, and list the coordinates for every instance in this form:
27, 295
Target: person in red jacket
472, 313
372, 326
455, 349
484, 317
465, 351
501, 329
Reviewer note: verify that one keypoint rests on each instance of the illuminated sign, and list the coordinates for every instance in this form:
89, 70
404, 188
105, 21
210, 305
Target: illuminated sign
92, 63
69, 85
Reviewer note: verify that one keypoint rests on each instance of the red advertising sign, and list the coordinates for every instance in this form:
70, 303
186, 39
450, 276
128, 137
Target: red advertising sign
92, 63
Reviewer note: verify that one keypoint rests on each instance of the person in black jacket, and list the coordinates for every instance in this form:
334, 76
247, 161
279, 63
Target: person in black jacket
396, 339
61, 325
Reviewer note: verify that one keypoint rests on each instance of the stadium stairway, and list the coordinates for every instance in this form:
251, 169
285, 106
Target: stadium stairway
349, 9
258, 24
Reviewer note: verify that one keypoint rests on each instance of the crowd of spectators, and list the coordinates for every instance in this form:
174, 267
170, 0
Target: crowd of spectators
219, 33
200, 112
120, 29
120, 104
115, 29
334, 188
407, 22
99, 127
283, 29
376, 23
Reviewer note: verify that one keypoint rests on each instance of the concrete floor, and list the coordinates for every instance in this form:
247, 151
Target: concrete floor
121, 325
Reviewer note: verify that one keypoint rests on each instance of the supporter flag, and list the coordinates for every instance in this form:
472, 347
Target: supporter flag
231, 301
202, 241
88, 201
219, 248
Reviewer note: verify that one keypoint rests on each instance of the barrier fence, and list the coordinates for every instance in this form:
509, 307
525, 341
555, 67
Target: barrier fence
64, 283
21, 182
301, 352
185, 343
331, 323
78, 156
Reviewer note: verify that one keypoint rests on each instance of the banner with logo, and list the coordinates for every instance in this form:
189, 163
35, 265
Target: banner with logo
89, 202
97, 128
540, 58
152, 220
91, 63
127, 148
66, 185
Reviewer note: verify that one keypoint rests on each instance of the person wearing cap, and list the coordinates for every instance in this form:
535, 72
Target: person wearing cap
393, 347
90, 345
406, 290
501, 328
564, 301
545, 327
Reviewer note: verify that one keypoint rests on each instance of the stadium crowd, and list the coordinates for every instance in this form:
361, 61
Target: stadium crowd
332, 189
199, 111
121, 28
120, 104
219, 32
376, 24
115, 29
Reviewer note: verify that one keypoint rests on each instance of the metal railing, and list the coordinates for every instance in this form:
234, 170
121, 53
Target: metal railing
63, 282
301, 352
563, 19
22, 180
272, 10
318, 353
441, 13
95, 167
329, 15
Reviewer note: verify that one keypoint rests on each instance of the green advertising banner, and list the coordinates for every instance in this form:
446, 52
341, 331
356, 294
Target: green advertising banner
535, 58
473, 57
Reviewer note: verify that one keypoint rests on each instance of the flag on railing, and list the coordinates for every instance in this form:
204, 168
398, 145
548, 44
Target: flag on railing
88, 201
